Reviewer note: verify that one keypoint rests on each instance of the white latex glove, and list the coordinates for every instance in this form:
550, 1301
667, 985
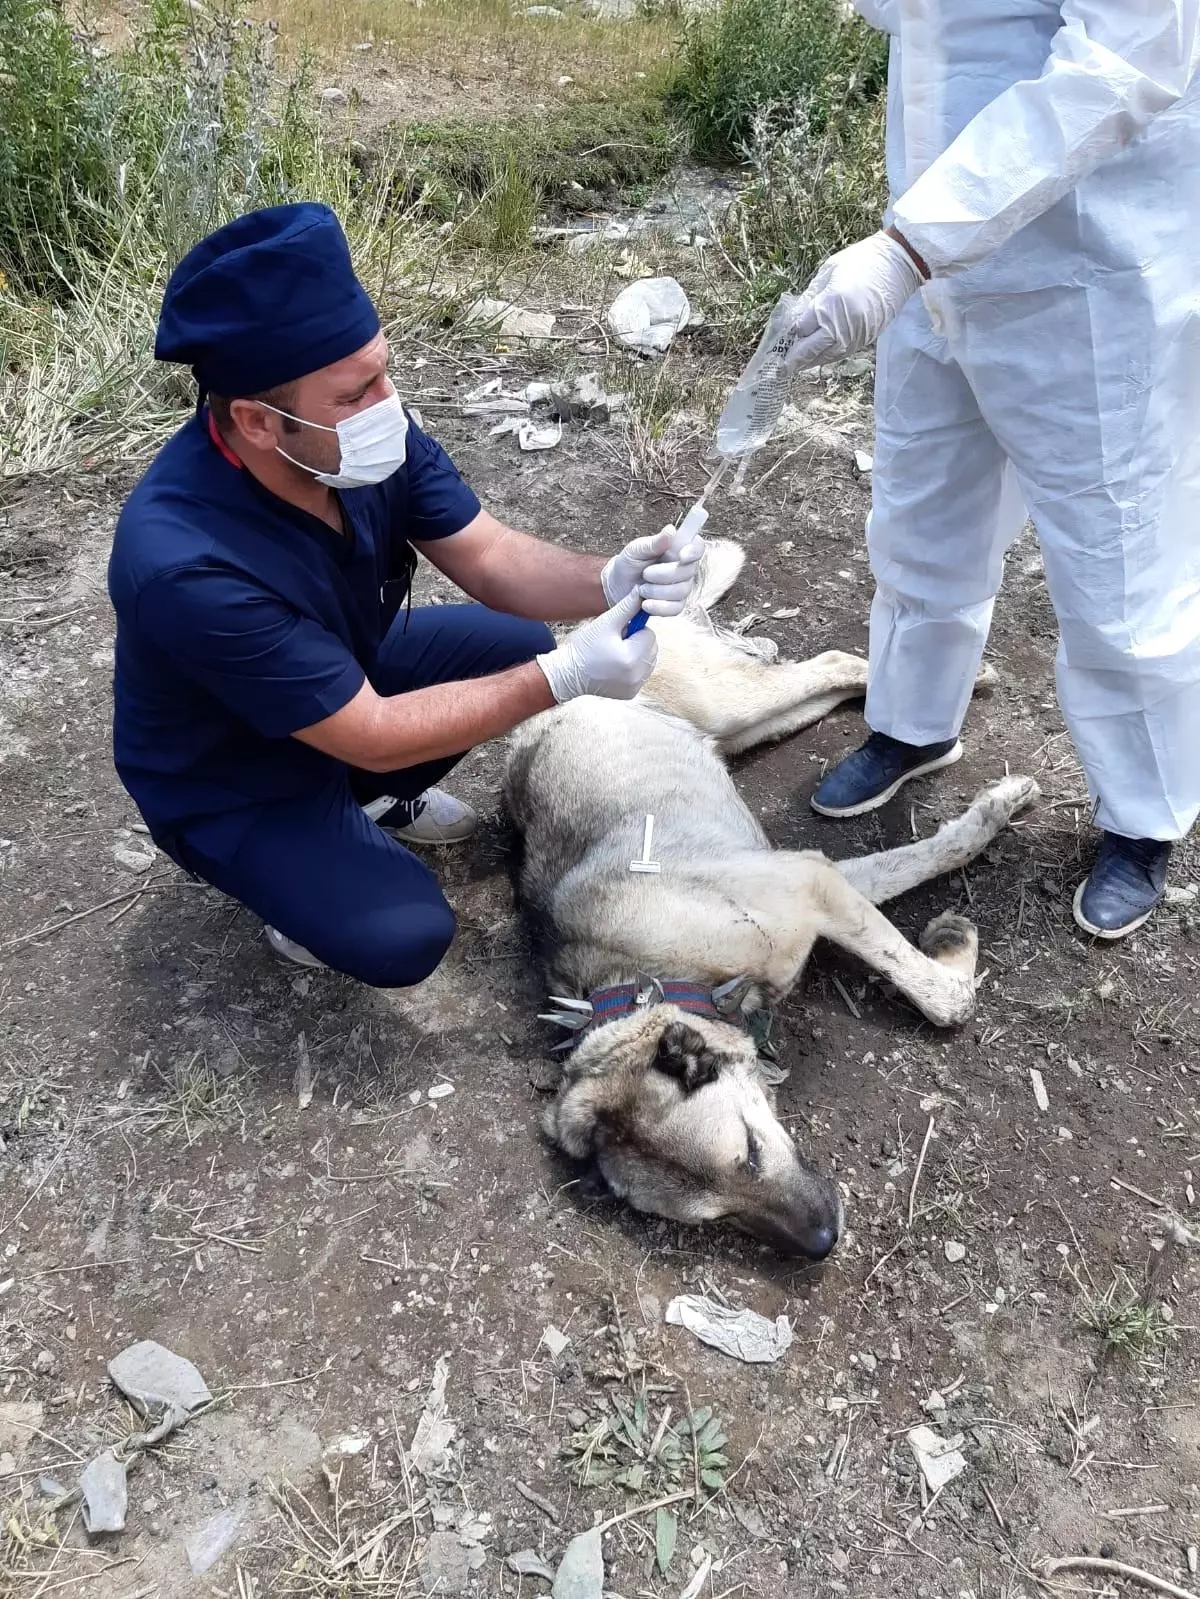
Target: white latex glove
663, 584
595, 659
852, 299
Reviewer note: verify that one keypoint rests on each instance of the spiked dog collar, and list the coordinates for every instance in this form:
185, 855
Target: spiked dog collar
604, 1005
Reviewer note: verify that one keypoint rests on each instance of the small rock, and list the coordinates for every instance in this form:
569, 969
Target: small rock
441, 1091
585, 400
1180, 897
346, 1447
940, 1459
8, 1464
955, 1251
206, 1546
133, 860
580, 1574
334, 96
448, 1561
542, 11
868, 1362
44, 1363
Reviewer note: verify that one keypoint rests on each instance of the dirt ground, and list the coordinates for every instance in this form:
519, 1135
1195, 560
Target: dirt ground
161, 1175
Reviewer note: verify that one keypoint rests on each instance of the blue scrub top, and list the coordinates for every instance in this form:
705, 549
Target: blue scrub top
241, 619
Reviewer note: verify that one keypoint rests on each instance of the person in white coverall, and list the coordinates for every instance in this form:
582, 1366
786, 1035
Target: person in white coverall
1036, 297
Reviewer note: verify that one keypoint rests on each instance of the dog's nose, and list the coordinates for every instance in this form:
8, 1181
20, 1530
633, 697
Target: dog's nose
819, 1242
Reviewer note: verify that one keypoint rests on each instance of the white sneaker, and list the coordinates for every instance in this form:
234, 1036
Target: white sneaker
289, 951
435, 818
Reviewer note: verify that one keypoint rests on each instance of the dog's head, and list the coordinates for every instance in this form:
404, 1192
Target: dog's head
677, 1116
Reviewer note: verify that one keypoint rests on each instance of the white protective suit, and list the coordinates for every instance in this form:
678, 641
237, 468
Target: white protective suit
1044, 159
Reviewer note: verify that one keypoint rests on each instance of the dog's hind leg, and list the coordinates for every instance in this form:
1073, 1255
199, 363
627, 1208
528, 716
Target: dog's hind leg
739, 700
892, 872
791, 695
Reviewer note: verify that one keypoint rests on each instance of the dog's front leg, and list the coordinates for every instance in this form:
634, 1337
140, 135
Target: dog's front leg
939, 978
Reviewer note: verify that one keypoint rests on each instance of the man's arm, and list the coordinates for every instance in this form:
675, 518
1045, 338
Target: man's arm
385, 734
513, 572
1113, 68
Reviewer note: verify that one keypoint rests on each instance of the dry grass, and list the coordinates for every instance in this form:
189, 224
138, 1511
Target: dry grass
196, 1098
668, 416
365, 1543
487, 40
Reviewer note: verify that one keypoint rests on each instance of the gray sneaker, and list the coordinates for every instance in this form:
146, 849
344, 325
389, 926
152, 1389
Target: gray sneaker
435, 818
289, 951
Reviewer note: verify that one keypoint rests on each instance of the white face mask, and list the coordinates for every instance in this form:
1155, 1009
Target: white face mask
374, 443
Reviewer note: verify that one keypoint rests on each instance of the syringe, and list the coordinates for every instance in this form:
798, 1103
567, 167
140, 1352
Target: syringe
683, 534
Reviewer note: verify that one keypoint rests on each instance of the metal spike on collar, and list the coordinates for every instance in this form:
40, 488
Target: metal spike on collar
728, 996
584, 1006
569, 1019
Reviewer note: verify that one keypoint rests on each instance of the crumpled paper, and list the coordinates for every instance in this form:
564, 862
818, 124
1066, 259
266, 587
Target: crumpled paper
744, 1334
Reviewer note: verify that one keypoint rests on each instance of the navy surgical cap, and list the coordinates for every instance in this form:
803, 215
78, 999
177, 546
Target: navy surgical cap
263, 300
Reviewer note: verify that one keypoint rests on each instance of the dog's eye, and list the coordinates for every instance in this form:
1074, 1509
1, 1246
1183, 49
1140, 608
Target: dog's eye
753, 1154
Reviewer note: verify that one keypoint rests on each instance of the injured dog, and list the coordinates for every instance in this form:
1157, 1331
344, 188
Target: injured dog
664, 1090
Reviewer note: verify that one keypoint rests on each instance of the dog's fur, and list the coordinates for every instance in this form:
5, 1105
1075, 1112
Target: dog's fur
676, 1110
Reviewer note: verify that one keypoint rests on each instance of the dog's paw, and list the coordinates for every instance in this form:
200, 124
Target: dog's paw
951, 939
1008, 797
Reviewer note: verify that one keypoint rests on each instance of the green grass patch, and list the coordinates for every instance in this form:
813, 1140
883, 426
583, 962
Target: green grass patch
188, 126
753, 59
1125, 1320
590, 154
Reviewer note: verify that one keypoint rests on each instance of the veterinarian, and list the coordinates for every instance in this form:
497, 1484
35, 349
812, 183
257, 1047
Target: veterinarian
1036, 296
282, 714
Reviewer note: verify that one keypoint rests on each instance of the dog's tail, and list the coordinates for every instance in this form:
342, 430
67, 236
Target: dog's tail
723, 561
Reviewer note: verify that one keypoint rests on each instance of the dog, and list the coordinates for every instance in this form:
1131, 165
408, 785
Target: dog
654, 971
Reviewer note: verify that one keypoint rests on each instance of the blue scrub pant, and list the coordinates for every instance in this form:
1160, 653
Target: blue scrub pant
317, 869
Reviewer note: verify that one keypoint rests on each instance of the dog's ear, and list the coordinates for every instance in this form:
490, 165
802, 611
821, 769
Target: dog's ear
683, 1055
573, 1117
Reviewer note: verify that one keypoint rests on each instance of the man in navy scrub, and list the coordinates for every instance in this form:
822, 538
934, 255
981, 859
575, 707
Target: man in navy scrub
282, 713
